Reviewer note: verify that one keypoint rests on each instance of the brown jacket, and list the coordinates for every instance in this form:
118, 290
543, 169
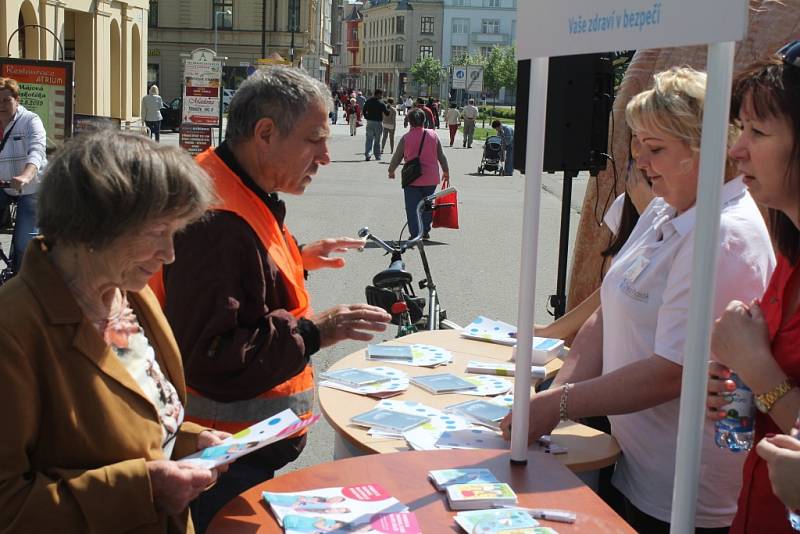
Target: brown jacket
77, 428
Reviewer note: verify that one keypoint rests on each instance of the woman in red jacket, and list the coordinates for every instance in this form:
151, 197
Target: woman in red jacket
760, 341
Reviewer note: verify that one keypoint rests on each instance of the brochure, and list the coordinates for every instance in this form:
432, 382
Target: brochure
396, 381
441, 478
485, 329
421, 355
388, 420
503, 369
365, 508
476, 496
496, 522
275, 428
480, 411
353, 377
441, 383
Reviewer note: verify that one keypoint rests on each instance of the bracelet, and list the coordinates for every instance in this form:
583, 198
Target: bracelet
562, 407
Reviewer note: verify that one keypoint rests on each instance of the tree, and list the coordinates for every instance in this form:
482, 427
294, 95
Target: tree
500, 69
427, 71
469, 59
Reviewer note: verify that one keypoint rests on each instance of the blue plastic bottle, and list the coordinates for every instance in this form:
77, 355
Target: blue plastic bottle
735, 431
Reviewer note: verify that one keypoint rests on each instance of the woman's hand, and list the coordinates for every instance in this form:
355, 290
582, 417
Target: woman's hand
174, 485
543, 416
782, 454
720, 386
316, 255
445, 176
210, 438
352, 321
740, 339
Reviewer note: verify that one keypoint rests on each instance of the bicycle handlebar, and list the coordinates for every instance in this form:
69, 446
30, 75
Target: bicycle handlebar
426, 202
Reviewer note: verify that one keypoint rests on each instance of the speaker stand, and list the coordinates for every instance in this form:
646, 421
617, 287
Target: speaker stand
558, 302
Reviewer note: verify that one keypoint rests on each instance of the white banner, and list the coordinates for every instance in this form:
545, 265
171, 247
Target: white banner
566, 27
474, 78
459, 77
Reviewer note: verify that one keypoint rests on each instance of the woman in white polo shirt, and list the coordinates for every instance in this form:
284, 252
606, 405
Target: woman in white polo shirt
626, 361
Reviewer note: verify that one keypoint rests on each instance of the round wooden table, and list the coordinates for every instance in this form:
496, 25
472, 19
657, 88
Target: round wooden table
542, 483
588, 449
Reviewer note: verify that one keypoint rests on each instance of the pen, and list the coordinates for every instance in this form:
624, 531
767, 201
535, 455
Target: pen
561, 516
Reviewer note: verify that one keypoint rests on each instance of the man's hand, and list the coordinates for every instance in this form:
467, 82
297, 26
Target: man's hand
174, 485
18, 182
391, 175
353, 321
316, 255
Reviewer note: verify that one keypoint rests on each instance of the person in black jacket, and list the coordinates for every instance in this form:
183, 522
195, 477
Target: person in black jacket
374, 110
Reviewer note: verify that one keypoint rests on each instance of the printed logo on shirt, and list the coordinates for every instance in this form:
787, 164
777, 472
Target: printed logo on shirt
635, 293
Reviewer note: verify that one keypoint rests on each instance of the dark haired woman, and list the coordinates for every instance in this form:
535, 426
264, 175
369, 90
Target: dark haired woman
760, 341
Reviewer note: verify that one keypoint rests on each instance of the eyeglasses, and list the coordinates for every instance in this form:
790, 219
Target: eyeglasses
790, 53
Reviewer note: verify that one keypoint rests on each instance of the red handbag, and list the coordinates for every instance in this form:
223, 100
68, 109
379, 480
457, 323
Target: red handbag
445, 209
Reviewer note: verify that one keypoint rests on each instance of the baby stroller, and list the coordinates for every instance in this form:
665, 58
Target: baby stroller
492, 158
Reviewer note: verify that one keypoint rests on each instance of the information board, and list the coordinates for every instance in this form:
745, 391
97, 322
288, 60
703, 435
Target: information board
194, 139
569, 27
201, 92
88, 123
45, 88
459, 77
474, 78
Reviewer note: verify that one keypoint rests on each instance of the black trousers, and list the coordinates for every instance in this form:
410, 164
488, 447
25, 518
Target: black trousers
645, 524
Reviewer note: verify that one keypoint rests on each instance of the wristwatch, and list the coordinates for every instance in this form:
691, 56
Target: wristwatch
765, 401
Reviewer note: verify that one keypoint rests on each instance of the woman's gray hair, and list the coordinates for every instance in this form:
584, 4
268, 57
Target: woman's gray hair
282, 94
416, 117
104, 184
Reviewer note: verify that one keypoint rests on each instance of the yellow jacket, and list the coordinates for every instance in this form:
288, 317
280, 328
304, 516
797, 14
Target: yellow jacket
77, 429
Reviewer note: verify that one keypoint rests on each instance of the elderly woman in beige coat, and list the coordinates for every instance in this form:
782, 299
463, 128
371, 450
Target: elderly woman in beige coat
93, 389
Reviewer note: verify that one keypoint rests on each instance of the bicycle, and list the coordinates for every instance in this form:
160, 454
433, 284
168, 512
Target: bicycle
7, 227
392, 288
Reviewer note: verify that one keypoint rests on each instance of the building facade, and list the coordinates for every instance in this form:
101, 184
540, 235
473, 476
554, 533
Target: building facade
394, 35
241, 32
107, 40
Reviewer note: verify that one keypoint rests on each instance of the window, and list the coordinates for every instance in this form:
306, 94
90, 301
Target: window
486, 50
425, 51
460, 25
491, 3
400, 25
152, 14
457, 52
398, 53
293, 19
459, 3
222, 15
490, 26
426, 25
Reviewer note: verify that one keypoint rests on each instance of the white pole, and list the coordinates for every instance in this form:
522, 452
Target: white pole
706, 246
216, 13
537, 97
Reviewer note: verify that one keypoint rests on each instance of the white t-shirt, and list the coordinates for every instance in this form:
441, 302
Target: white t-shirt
645, 297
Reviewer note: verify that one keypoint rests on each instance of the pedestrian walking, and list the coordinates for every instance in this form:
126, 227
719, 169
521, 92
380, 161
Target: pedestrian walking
374, 110
151, 112
453, 118
470, 114
389, 122
506, 133
353, 115
422, 143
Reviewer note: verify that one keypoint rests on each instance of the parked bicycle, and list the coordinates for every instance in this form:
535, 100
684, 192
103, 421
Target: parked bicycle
7, 227
392, 288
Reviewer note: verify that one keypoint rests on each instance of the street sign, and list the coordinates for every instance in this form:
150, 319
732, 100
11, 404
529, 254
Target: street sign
201, 92
474, 78
194, 139
459, 77
586, 26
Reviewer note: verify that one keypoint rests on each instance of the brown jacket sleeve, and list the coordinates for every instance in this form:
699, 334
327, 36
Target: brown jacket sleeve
226, 305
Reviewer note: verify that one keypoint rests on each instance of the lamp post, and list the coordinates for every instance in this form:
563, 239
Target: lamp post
292, 29
217, 13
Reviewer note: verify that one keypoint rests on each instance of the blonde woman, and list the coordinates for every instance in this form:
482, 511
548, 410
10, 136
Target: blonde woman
626, 361
151, 112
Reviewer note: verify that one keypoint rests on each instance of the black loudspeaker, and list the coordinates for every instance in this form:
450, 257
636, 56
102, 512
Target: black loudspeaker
580, 95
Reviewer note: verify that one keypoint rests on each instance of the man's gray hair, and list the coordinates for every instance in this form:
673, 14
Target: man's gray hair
282, 94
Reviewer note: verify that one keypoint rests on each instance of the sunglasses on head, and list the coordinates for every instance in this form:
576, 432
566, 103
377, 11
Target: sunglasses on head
790, 53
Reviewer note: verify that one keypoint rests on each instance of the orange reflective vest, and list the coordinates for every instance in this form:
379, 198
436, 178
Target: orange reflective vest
297, 392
